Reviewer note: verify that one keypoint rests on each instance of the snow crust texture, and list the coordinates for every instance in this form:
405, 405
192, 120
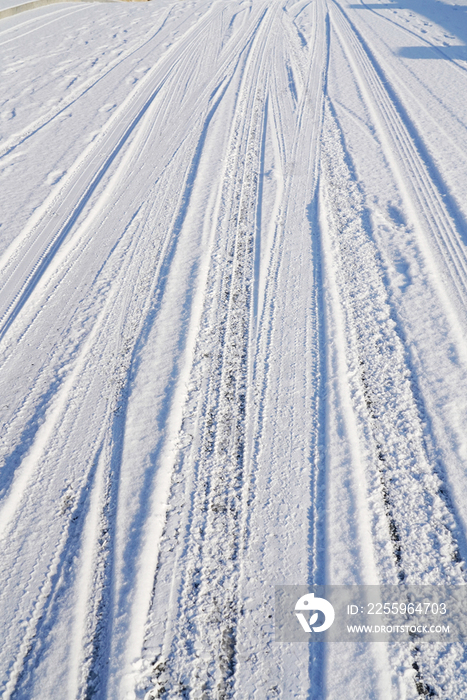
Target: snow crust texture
233, 341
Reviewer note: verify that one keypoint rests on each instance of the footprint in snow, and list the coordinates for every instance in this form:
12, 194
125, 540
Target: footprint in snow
54, 176
108, 107
8, 114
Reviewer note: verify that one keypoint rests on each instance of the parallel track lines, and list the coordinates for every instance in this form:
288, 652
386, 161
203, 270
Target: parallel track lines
83, 354
428, 210
78, 92
424, 202
225, 63
270, 392
58, 215
63, 13
425, 547
239, 296
215, 505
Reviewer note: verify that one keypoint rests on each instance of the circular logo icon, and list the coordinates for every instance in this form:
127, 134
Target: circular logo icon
314, 605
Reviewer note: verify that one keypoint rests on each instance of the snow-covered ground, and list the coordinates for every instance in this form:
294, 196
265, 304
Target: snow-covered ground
233, 340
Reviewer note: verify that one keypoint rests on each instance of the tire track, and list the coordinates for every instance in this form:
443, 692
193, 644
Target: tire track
218, 453
425, 531
33, 250
421, 525
432, 212
42, 615
429, 200
74, 11
53, 586
80, 91
285, 436
216, 500
136, 549
94, 657
93, 646
402, 458
97, 672
251, 345
39, 243
174, 139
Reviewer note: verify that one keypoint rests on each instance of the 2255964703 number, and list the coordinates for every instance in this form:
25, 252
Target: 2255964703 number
406, 608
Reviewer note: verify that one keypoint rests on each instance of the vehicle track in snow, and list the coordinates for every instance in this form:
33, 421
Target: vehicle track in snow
31, 253
404, 454
144, 47
410, 162
232, 402
82, 247
63, 12
211, 527
106, 540
428, 199
46, 588
407, 483
150, 294
231, 374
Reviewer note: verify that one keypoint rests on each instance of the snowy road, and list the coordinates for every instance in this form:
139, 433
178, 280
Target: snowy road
233, 340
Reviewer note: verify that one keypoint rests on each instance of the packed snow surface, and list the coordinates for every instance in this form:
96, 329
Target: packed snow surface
233, 340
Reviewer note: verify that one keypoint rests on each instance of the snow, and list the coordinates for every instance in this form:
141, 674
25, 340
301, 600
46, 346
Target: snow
233, 324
